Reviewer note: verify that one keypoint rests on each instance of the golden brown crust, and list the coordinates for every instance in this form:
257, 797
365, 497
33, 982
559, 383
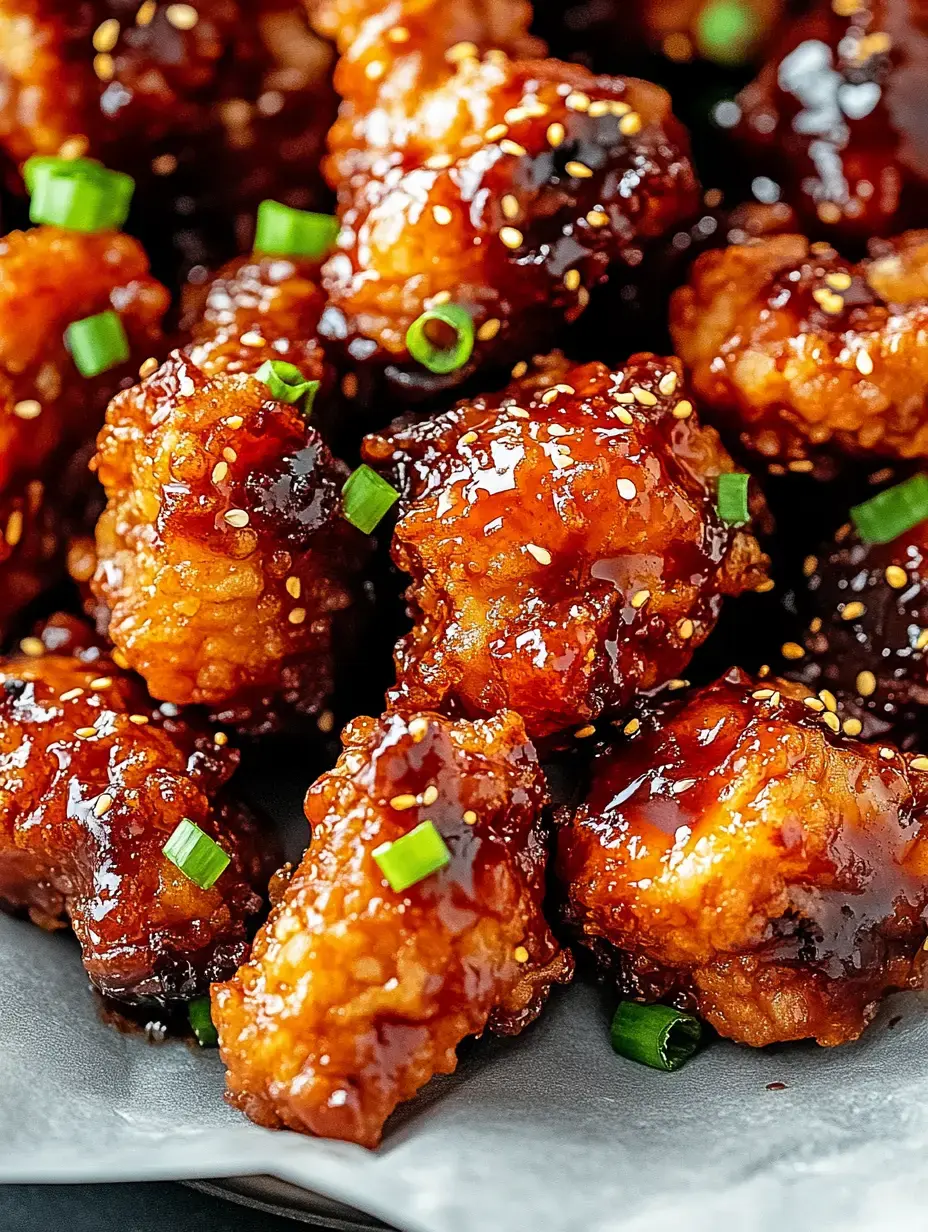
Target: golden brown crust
801, 354
355, 995
95, 780
744, 857
563, 542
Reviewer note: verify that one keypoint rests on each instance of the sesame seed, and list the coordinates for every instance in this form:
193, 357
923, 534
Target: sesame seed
828, 301
624, 416
839, 281
29, 408
582, 733
103, 805
792, 650
686, 629
85, 732
229, 454
14, 528
442, 215
572, 279
470, 818
672, 685
631, 727
802, 467
764, 671
511, 237
829, 699
468, 438
236, 517
148, 367
374, 70
461, 51
438, 162
809, 565
101, 682
577, 101
509, 146
813, 703
403, 802
325, 722
542, 555
106, 35
630, 124
71, 695
643, 397
234, 422
762, 695
887, 753
74, 147
120, 659
297, 616
815, 624
627, 399
182, 16
220, 471
865, 684
138, 719
399, 34
764, 587
683, 409
32, 646
418, 728
896, 576
619, 108
146, 12
430, 795
520, 954
919, 763
775, 699
555, 134
852, 727
578, 170
851, 611
864, 362
497, 131
599, 107
516, 412
922, 640
831, 721
667, 384
598, 218
510, 206
294, 586
489, 329
626, 489
549, 396
640, 598
104, 66
251, 338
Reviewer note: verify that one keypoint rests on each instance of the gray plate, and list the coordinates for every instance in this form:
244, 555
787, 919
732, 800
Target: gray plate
550, 1132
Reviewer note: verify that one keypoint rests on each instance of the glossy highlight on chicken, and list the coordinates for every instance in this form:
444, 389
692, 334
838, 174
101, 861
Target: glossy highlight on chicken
356, 994
95, 778
563, 542
738, 855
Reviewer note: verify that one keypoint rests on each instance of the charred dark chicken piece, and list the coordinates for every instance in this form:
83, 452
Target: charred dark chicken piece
738, 855
357, 994
563, 542
95, 779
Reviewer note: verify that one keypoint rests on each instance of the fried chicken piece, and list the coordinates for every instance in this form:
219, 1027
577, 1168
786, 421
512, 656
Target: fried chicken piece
865, 612
836, 118
355, 994
213, 106
563, 543
752, 864
507, 186
94, 781
802, 355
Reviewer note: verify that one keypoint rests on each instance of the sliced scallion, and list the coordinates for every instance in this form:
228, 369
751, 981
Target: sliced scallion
198, 857
732, 500
655, 1035
287, 383
725, 31
366, 497
77, 194
442, 339
286, 232
201, 1022
891, 513
97, 343
413, 857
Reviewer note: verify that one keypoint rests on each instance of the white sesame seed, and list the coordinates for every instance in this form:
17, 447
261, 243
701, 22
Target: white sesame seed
542, 555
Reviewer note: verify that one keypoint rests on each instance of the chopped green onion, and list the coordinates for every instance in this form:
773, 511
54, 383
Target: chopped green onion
732, 500
78, 194
891, 513
366, 497
655, 1035
725, 31
97, 343
285, 232
435, 352
201, 1022
413, 857
196, 854
287, 383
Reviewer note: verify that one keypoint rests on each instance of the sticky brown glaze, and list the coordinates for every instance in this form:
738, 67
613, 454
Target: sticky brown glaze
563, 543
751, 863
803, 356
94, 781
356, 995
865, 614
837, 117
506, 185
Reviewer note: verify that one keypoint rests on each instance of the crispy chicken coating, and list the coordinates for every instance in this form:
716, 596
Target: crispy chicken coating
563, 543
836, 118
802, 355
865, 612
751, 863
355, 994
94, 781
48, 279
505, 185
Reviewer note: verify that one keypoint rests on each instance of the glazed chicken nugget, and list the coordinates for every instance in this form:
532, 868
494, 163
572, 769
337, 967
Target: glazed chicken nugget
356, 994
803, 356
563, 542
740, 856
505, 186
95, 779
